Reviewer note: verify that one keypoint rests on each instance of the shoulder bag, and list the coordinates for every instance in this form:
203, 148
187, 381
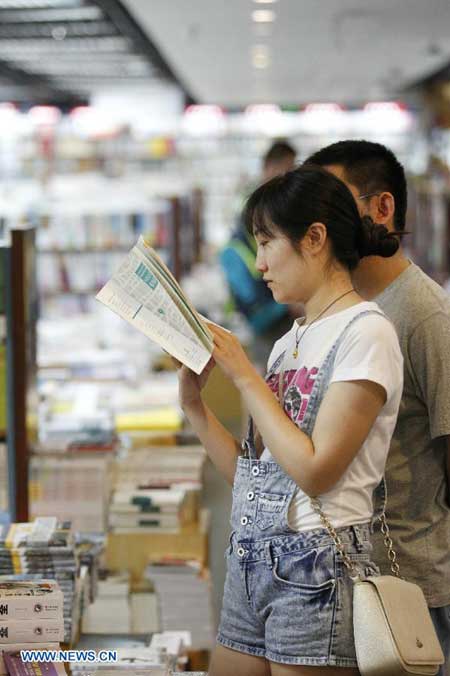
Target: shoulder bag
393, 630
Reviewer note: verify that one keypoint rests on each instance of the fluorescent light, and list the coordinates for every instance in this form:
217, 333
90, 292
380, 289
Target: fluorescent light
265, 2
204, 120
46, 115
37, 4
58, 14
70, 45
263, 15
384, 106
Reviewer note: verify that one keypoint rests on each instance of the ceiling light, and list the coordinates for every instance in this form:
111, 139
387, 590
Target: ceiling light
264, 2
204, 120
263, 15
37, 4
260, 56
384, 106
73, 45
323, 108
46, 115
58, 14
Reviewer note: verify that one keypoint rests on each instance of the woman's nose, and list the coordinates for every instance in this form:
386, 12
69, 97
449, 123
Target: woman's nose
260, 263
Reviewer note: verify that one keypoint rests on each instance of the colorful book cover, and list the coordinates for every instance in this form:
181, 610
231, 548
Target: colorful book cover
16, 667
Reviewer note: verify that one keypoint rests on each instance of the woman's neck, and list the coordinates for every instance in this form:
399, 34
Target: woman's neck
331, 292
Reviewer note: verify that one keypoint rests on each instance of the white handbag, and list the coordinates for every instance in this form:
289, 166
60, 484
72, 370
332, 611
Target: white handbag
393, 630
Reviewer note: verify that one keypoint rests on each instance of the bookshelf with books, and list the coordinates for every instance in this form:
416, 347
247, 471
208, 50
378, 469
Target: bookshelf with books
428, 243
97, 382
81, 240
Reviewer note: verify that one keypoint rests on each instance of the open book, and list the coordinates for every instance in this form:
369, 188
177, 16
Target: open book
144, 292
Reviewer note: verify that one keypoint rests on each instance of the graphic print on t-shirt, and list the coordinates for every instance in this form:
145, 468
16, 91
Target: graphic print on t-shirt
297, 387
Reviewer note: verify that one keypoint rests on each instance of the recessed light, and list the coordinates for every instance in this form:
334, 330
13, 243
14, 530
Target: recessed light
263, 15
260, 56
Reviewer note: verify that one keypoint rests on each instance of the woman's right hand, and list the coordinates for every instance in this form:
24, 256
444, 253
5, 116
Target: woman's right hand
190, 385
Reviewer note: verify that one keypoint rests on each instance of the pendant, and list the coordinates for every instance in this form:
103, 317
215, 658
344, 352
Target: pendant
295, 353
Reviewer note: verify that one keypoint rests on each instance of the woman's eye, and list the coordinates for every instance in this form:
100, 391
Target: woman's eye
262, 243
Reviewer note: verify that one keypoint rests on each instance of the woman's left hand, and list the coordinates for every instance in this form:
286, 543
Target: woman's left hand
230, 356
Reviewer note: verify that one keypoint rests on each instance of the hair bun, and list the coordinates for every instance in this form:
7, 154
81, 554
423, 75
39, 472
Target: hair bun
376, 240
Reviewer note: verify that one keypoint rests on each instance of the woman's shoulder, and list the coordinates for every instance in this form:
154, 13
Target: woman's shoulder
370, 327
371, 316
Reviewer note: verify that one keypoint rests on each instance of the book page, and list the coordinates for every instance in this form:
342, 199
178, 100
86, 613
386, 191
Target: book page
155, 267
172, 287
142, 301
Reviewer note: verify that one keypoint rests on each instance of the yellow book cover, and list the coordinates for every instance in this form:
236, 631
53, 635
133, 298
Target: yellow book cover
167, 418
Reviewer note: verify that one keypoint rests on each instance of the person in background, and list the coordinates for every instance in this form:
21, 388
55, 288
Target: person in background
320, 427
418, 466
268, 319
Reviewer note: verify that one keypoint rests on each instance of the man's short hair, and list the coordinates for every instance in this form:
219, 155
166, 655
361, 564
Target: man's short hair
371, 167
278, 152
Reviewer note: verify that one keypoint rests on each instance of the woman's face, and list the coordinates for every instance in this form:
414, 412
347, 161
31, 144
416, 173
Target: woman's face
282, 267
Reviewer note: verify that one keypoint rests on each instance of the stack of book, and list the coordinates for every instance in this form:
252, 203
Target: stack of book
75, 488
90, 548
31, 617
161, 466
174, 644
141, 662
12, 664
110, 612
165, 655
43, 549
157, 510
117, 611
3, 471
144, 613
182, 587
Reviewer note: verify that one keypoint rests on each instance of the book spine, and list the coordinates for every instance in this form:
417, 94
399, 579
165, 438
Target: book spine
31, 631
49, 607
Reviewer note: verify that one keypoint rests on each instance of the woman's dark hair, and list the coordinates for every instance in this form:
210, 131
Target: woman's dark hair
309, 194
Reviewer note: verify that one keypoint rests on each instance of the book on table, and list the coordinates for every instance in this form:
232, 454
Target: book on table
144, 292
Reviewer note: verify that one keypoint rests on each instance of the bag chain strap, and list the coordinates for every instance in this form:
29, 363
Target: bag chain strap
392, 556
348, 563
354, 573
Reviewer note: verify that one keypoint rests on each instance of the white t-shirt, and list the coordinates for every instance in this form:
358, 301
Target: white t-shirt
369, 351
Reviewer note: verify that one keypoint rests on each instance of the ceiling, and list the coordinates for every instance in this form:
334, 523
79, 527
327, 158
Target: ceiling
316, 50
62, 51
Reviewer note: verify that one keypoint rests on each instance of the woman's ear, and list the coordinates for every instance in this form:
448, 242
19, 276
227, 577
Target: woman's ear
315, 238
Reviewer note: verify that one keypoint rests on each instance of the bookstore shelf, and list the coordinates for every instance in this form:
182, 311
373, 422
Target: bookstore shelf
82, 454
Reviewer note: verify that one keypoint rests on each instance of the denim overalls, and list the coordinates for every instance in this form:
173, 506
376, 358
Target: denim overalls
287, 595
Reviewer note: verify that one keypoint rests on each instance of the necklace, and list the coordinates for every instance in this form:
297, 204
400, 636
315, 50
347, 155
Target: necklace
297, 339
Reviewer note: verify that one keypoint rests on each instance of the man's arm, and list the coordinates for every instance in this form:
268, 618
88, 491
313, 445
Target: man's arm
429, 353
448, 470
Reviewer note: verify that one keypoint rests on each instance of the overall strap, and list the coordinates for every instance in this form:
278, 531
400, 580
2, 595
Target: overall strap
324, 376
380, 492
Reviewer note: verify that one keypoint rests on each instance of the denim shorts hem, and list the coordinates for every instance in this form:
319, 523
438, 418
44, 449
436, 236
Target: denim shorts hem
240, 647
311, 661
